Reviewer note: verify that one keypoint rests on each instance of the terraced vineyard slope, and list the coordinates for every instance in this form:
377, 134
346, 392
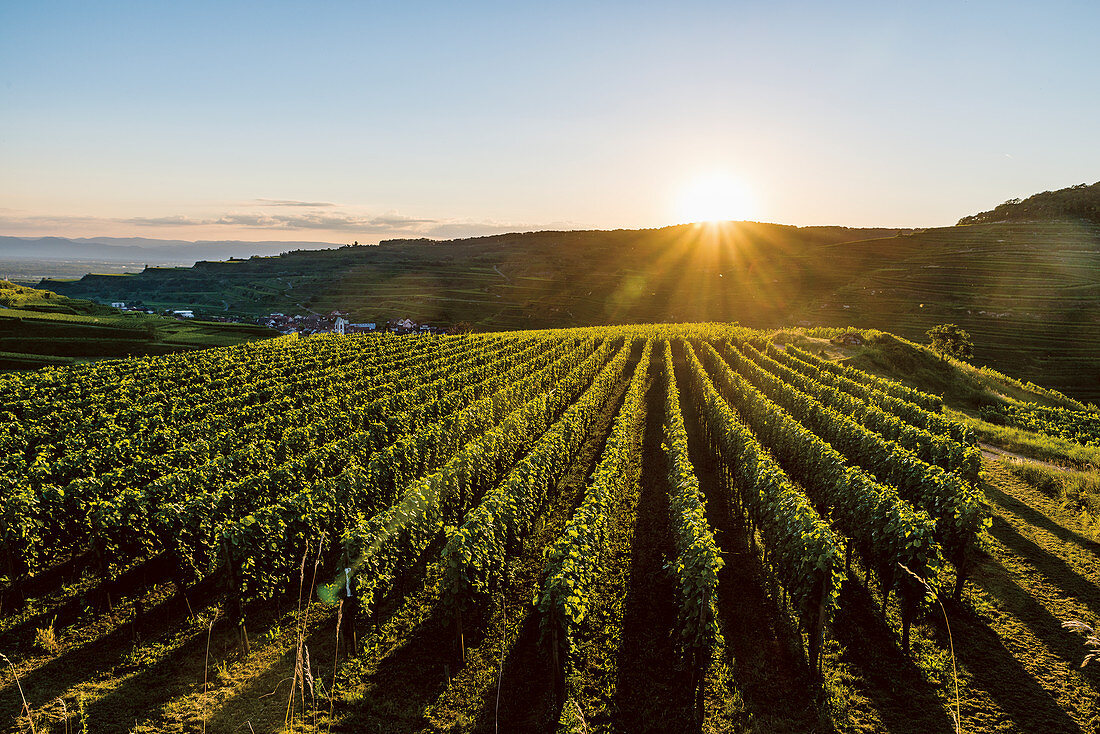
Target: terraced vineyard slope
1028, 292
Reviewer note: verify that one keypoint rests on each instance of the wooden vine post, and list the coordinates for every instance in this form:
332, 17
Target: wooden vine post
103, 600
960, 570
886, 574
817, 633
700, 662
15, 568
350, 610
178, 575
460, 636
235, 593
557, 658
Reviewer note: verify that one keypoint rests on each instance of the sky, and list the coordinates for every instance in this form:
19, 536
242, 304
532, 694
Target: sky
360, 121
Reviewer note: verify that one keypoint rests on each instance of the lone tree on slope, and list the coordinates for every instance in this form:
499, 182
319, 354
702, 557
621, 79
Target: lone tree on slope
952, 341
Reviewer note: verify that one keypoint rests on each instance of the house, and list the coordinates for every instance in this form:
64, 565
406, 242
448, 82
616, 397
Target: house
402, 326
118, 304
848, 339
184, 313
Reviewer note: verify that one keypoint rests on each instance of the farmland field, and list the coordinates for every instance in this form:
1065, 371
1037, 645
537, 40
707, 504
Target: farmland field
39, 328
636, 528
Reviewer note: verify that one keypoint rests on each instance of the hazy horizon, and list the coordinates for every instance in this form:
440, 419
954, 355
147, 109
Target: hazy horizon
366, 122
153, 243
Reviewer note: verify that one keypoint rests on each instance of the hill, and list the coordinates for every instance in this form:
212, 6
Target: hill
40, 328
1029, 293
138, 249
530, 280
1080, 202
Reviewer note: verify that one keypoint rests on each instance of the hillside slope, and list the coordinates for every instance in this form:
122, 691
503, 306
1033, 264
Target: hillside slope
530, 280
1028, 292
40, 328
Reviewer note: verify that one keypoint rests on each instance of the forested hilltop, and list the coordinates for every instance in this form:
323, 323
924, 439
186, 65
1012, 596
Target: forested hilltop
1076, 202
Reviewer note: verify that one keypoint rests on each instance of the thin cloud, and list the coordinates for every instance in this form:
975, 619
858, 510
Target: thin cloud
290, 202
336, 222
48, 220
169, 221
397, 220
388, 224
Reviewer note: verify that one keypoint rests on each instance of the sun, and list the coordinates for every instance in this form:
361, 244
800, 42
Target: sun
717, 197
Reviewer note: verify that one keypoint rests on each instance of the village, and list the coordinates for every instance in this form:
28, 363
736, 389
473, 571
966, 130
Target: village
335, 322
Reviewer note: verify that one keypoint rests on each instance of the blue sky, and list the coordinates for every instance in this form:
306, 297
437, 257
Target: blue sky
227, 120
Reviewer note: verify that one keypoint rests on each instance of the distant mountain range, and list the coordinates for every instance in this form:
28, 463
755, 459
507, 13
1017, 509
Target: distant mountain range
141, 249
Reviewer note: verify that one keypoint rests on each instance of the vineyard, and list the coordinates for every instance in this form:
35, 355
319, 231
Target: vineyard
663, 528
1079, 426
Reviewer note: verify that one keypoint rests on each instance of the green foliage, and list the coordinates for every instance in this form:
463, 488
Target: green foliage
388, 543
957, 506
1074, 489
932, 437
804, 552
1034, 445
574, 560
698, 559
14, 296
1079, 426
952, 341
231, 463
475, 555
899, 399
883, 529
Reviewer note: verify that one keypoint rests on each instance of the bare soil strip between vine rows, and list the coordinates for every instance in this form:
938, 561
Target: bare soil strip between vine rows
526, 682
651, 692
412, 676
765, 649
